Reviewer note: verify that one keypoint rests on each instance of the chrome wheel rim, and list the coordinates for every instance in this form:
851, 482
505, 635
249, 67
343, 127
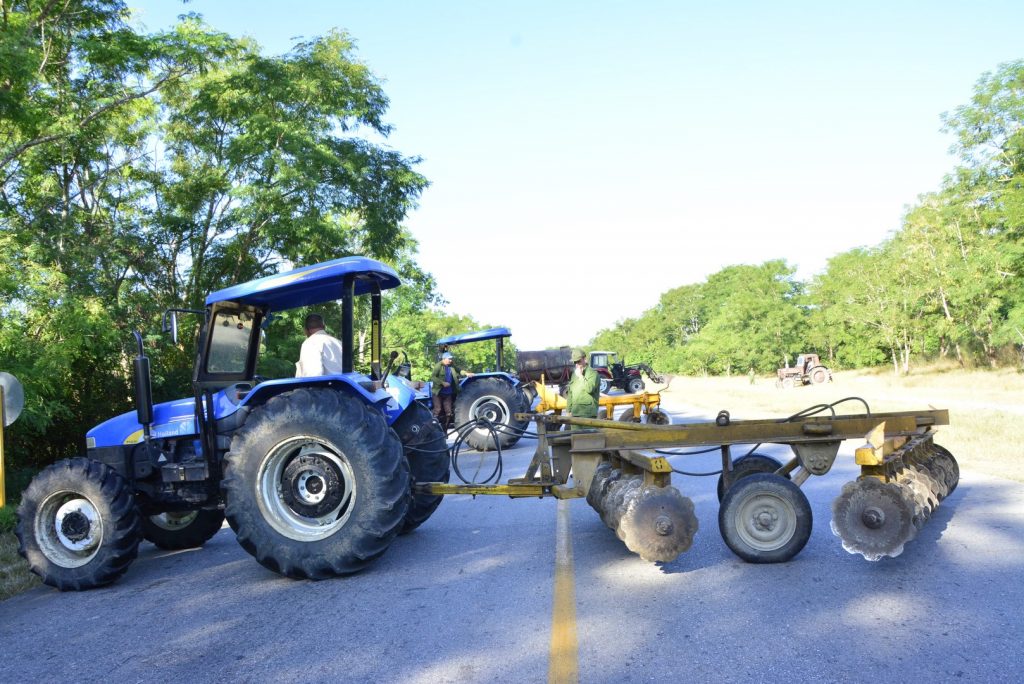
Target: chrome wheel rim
306, 488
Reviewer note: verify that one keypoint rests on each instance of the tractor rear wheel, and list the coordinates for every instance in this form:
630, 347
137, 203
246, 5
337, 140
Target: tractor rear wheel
78, 526
426, 449
316, 484
751, 464
635, 385
495, 401
819, 375
765, 518
176, 530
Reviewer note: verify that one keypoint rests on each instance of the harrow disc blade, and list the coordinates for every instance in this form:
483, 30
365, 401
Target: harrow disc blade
658, 524
943, 457
873, 519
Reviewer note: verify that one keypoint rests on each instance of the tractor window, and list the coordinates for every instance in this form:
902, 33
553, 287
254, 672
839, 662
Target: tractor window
229, 342
599, 361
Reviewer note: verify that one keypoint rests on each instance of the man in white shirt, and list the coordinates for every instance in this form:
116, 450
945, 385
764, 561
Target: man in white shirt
320, 353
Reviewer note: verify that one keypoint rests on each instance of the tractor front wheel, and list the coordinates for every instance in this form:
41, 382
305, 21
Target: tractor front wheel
635, 385
78, 527
182, 529
316, 484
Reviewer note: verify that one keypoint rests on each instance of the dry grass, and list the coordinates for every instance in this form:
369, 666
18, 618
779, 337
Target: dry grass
14, 573
985, 407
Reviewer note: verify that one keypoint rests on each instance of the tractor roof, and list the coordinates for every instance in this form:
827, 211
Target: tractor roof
478, 336
309, 285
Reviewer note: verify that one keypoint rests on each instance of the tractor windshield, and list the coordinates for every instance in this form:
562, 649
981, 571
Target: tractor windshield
229, 342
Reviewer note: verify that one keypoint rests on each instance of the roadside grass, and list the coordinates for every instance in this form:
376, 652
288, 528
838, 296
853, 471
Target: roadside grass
985, 407
14, 573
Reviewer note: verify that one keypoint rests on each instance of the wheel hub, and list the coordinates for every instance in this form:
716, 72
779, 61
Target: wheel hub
765, 520
312, 486
77, 525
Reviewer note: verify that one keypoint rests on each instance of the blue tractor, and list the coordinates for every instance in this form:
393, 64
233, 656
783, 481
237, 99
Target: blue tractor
313, 474
489, 401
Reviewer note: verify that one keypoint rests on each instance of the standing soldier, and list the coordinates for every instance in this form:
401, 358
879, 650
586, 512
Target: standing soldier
584, 388
444, 386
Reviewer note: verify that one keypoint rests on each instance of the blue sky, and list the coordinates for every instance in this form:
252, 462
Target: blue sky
585, 157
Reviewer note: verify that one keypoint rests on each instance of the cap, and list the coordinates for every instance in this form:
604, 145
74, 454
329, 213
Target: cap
578, 354
447, 355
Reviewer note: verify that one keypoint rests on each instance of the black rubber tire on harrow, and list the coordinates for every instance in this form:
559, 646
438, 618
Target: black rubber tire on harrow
426, 449
635, 385
751, 464
656, 416
628, 416
495, 398
765, 518
316, 484
182, 530
94, 503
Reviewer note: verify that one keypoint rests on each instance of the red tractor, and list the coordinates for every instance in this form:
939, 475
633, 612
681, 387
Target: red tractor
807, 371
616, 374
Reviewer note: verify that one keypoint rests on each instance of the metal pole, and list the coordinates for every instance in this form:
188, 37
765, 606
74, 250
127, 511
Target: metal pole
3, 421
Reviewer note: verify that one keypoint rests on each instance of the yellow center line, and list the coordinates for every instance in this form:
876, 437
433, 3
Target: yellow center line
563, 660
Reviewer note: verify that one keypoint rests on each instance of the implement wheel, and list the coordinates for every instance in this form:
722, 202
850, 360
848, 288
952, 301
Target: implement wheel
182, 529
751, 464
765, 518
426, 449
316, 484
78, 527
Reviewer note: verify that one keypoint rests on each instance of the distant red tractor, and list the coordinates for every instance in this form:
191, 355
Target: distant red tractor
807, 371
616, 374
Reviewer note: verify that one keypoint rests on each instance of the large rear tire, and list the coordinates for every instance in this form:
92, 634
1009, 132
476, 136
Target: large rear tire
819, 375
316, 484
182, 529
78, 527
426, 449
493, 400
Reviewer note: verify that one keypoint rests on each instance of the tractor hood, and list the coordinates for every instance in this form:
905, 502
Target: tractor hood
170, 419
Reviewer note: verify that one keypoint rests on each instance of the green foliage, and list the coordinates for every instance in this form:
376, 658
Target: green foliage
140, 172
948, 283
8, 519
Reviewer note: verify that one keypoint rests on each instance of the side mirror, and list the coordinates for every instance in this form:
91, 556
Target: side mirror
171, 325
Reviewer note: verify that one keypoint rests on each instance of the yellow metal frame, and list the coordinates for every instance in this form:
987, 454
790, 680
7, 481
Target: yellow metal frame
815, 442
642, 403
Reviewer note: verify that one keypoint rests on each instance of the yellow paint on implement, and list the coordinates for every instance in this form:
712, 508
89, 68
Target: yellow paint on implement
563, 660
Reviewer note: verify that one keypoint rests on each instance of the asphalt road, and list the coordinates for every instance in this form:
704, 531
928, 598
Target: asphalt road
469, 598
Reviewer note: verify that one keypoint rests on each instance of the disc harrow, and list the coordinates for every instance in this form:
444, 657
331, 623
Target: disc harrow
903, 480
764, 515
